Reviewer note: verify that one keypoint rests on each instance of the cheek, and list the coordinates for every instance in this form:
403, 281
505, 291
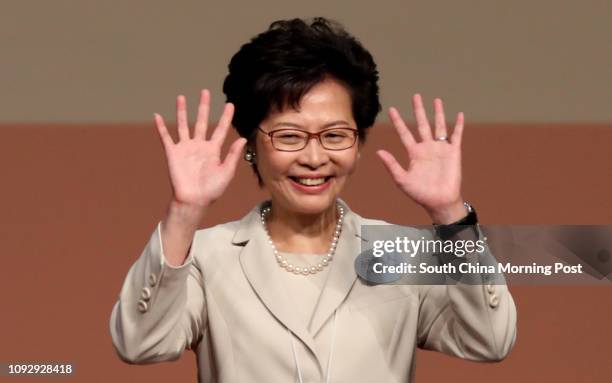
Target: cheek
348, 163
274, 167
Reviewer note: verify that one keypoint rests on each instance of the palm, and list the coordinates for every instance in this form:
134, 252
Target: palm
433, 176
197, 174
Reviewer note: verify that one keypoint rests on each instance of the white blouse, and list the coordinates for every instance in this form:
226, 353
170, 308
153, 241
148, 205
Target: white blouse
304, 292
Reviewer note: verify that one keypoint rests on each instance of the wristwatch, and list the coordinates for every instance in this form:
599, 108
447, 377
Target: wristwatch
470, 221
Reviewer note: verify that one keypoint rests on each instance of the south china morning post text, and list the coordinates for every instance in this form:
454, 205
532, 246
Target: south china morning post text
410, 248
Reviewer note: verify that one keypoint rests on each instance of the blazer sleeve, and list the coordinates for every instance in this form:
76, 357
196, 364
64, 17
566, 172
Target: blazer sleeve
475, 321
161, 310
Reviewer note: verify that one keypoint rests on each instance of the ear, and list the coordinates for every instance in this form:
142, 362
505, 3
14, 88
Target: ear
359, 147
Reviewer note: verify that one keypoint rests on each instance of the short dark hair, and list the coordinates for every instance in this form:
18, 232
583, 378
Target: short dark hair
279, 66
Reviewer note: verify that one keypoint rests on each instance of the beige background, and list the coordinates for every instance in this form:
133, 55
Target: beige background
118, 61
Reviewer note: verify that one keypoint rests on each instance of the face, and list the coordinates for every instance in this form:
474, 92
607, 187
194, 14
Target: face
326, 105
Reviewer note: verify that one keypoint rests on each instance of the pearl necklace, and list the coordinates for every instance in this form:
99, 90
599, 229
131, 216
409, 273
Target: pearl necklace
282, 262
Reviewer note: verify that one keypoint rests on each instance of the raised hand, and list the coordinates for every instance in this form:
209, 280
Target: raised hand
433, 176
197, 174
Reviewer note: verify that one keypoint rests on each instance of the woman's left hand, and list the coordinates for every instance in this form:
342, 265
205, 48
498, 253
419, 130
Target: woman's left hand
433, 177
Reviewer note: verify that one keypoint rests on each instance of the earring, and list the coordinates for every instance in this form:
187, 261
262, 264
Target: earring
249, 157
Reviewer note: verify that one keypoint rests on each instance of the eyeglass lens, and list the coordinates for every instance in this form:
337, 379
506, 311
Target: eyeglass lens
333, 139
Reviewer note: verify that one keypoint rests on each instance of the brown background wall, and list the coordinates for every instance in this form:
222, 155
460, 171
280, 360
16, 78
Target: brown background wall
80, 202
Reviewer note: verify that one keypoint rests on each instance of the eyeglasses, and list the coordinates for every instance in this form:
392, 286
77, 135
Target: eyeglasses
292, 140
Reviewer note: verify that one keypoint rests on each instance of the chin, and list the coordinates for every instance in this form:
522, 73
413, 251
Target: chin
315, 207
313, 204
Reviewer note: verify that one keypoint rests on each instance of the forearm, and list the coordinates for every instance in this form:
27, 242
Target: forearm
178, 228
161, 309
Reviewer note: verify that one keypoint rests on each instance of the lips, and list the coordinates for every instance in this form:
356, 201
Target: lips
311, 180
310, 185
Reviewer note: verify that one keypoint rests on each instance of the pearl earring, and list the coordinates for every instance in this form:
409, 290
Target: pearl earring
249, 157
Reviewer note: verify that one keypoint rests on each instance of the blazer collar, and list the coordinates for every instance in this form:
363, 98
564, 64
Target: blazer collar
247, 225
259, 265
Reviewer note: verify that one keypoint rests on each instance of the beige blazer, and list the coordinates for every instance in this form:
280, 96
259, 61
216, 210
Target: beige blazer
224, 304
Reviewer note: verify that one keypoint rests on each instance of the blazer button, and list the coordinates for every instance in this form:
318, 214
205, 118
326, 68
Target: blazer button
494, 301
152, 279
146, 293
142, 306
490, 288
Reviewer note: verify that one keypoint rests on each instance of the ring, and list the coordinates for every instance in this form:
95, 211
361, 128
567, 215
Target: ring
443, 138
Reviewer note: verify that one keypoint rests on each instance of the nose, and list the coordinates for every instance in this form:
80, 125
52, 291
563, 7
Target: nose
313, 155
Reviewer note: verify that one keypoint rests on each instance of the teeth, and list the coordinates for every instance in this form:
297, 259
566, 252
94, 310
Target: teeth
311, 181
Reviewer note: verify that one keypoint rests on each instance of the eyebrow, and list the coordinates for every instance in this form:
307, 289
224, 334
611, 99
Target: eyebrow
294, 125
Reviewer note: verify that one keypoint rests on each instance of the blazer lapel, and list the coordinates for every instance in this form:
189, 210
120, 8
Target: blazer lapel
342, 273
260, 266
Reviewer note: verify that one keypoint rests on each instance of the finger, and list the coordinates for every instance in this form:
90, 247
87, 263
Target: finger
401, 128
421, 118
224, 123
203, 111
439, 119
233, 155
395, 169
164, 135
458, 131
181, 118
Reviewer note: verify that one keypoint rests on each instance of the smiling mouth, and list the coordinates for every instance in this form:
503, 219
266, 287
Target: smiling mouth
311, 181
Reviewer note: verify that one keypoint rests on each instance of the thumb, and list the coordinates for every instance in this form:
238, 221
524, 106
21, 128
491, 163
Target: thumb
233, 155
395, 169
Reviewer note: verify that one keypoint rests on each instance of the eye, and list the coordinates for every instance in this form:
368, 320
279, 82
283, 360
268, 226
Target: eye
289, 136
335, 135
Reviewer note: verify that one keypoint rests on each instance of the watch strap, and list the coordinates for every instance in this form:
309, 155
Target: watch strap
447, 232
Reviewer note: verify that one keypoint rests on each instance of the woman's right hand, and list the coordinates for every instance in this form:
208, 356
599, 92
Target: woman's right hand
197, 174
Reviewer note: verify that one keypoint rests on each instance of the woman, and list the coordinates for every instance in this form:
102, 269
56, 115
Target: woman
275, 296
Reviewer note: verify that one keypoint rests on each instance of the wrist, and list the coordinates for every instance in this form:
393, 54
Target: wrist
457, 230
185, 214
449, 214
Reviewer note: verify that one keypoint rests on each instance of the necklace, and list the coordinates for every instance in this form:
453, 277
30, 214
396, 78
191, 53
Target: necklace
282, 262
